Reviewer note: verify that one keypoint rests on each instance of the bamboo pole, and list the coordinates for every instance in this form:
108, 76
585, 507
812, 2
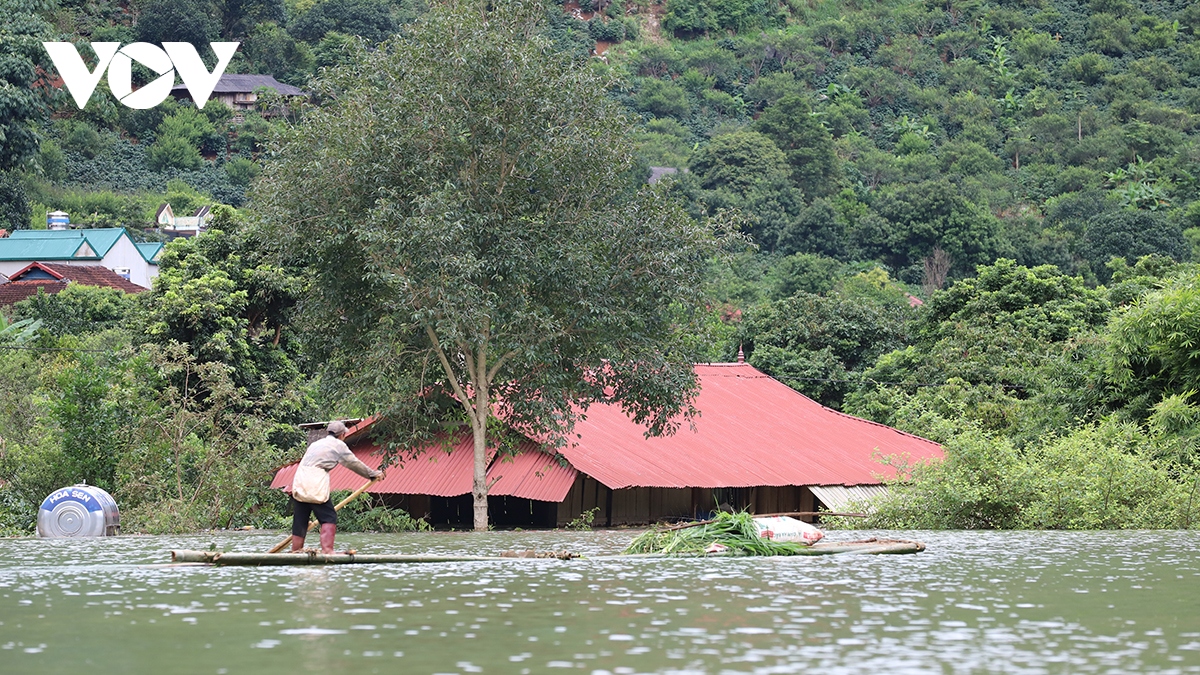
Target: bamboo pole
312, 523
313, 558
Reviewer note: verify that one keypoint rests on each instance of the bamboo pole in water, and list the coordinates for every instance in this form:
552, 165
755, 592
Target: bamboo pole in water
312, 523
313, 558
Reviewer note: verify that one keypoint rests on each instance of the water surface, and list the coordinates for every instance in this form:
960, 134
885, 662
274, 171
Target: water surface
1006, 602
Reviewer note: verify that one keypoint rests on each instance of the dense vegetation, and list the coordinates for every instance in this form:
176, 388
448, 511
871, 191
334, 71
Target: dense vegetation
974, 220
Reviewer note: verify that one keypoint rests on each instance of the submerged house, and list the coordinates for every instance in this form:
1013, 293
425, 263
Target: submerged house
757, 445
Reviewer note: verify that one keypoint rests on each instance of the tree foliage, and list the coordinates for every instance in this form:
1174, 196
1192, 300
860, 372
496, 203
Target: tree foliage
22, 106
492, 244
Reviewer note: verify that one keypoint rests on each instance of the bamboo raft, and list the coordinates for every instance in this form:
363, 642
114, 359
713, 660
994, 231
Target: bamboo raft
220, 558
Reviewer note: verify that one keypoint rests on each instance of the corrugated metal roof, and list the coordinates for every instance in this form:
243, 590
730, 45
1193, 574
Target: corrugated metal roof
150, 251
232, 83
841, 498
49, 244
753, 430
435, 472
21, 249
531, 474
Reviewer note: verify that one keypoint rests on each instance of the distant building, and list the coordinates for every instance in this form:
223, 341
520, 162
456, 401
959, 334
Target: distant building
657, 173
758, 445
182, 226
240, 92
53, 279
109, 247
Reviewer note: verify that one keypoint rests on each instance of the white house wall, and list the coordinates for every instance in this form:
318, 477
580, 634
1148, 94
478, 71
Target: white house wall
11, 267
124, 254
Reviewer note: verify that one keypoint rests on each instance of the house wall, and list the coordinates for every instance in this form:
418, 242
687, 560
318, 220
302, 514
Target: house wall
11, 267
124, 254
643, 506
230, 99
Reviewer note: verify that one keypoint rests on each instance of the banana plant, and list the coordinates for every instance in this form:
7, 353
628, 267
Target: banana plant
18, 332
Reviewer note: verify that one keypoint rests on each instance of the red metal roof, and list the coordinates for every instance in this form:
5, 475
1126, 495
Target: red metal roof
531, 474
753, 430
435, 472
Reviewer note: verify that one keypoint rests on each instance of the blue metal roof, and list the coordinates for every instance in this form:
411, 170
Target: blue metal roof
60, 244
150, 251
32, 248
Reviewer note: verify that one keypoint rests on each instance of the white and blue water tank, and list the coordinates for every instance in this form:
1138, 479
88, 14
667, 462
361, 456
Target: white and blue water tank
78, 511
58, 220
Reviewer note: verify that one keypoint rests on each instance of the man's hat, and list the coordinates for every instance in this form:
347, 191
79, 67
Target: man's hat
336, 428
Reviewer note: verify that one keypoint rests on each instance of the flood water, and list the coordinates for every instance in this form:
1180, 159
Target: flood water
1002, 602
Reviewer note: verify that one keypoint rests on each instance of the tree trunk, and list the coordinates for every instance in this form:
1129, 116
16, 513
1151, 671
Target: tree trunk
479, 483
483, 409
477, 413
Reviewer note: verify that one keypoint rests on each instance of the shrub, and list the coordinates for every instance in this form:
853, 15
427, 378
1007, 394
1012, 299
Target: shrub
606, 31
242, 171
51, 161
83, 139
14, 203
367, 515
1087, 68
173, 152
980, 485
1101, 477
77, 309
193, 126
663, 98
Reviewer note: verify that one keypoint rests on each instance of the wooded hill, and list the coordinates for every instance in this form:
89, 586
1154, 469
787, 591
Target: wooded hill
951, 133
976, 221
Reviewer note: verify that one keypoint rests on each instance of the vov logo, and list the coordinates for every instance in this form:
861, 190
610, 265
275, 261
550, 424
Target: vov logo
118, 60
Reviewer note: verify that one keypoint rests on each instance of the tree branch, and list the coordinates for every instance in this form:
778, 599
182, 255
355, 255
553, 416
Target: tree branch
458, 390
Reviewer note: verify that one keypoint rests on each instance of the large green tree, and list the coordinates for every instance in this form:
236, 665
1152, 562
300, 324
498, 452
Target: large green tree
479, 243
21, 104
807, 145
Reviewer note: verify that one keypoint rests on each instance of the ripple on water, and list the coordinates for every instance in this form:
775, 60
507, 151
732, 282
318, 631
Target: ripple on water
996, 602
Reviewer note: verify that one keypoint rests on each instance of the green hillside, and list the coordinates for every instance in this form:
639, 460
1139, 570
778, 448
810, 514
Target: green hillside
975, 221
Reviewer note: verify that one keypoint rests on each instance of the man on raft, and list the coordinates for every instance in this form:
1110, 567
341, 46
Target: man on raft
310, 485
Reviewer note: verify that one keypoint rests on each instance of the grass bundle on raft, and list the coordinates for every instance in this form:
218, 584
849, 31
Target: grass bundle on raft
735, 531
